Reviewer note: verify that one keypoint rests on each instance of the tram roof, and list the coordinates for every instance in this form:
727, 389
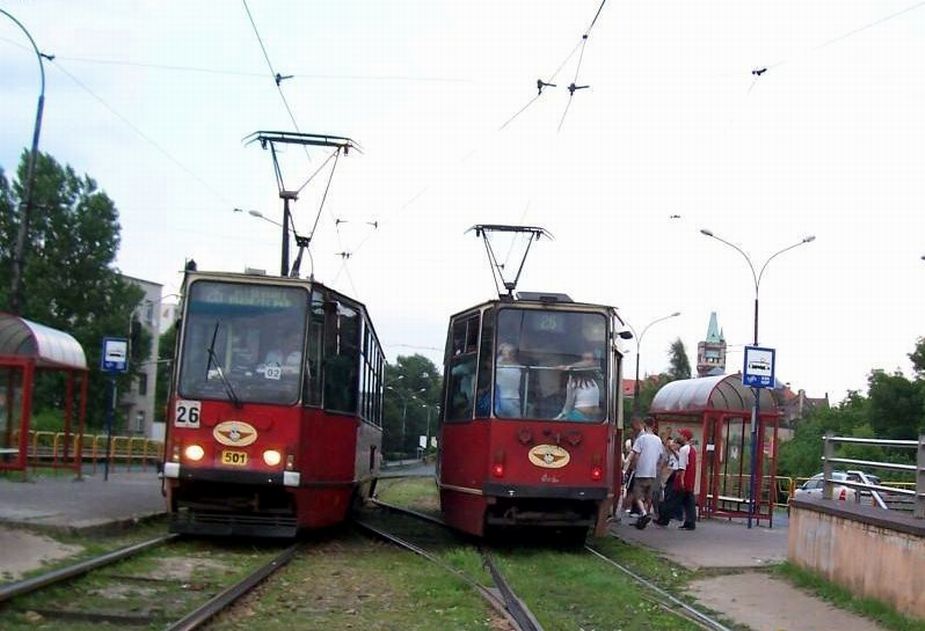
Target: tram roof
720, 392
48, 347
566, 304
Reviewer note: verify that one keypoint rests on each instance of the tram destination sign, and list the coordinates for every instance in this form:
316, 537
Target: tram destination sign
114, 358
758, 371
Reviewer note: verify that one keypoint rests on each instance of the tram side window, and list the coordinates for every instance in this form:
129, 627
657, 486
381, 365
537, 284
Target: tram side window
315, 347
341, 357
461, 369
483, 391
371, 368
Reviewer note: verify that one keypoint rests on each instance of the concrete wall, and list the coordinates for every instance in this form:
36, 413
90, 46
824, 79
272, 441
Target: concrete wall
871, 552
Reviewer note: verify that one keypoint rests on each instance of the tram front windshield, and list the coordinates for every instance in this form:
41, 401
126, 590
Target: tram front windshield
243, 341
551, 365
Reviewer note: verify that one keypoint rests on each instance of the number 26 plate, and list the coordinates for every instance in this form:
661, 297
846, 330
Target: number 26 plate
234, 458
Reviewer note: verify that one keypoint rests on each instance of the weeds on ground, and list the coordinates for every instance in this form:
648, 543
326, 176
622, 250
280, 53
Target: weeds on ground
840, 597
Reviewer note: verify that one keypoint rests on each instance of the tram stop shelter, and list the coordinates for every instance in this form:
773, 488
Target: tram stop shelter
717, 410
26, 350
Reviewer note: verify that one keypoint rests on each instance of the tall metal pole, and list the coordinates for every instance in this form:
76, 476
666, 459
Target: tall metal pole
284, 266
20, 246
756, 392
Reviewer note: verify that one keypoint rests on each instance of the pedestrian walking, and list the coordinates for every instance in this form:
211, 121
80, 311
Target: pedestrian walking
644, 463
685, 477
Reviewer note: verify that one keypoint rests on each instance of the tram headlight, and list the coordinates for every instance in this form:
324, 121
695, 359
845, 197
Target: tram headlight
272, 457
194, 453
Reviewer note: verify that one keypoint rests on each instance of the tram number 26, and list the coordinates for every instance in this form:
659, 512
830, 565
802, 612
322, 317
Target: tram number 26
186, 414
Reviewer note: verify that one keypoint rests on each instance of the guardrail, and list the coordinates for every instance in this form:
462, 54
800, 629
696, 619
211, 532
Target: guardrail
829, 460
49, 448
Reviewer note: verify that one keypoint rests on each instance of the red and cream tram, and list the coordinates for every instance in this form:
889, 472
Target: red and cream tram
532, 415
274, 416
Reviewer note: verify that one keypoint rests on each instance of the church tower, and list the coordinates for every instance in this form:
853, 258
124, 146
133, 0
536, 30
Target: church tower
711, 353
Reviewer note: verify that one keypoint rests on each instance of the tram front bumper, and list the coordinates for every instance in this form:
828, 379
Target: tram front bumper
175, 471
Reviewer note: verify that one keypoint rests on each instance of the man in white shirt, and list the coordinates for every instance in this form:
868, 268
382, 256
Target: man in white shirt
645, 463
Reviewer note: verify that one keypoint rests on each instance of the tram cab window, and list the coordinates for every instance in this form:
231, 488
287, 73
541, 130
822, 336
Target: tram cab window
461, 368
551, 364
243, 338
486, 358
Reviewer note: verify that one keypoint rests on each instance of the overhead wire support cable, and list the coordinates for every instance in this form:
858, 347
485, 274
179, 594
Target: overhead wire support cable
573, 87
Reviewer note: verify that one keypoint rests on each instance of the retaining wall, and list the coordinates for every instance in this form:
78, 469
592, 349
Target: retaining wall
871, 552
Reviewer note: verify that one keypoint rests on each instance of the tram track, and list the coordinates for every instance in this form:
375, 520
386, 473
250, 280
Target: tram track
196, 618
660, 597
501, 596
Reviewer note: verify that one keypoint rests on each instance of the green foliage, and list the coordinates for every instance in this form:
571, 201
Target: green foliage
69, 280
896, 405
166, 345
410, 406
679, 364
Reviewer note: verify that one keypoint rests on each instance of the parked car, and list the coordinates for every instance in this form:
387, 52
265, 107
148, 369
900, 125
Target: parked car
813, 487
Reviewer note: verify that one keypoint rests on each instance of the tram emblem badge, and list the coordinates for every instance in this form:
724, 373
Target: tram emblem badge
235, 433
549, 456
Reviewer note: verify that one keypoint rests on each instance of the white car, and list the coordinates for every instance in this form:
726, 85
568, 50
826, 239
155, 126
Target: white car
813, 487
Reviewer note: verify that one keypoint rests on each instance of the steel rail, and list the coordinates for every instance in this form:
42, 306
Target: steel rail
204, 613
694, 614
497, 603
407, 511
515, 606
35, 583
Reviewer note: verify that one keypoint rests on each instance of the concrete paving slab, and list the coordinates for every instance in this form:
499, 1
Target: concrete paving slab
715, 543
64, 503
764, 603
23, 551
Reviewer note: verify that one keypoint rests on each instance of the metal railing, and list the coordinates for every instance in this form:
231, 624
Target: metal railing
829, 460
48, 448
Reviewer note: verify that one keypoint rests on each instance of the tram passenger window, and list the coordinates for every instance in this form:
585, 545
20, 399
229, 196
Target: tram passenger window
341, 358
460, 393
483, 391
314, 354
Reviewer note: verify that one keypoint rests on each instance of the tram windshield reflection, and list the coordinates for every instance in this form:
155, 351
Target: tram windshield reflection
551, 365
255, 335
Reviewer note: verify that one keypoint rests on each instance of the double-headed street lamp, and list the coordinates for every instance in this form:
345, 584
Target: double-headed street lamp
756, 279
638, 345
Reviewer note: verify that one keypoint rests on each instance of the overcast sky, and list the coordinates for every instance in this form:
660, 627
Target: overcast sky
829, 141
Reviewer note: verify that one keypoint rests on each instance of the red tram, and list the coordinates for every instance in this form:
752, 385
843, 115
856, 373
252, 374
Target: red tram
532, 415
274, 416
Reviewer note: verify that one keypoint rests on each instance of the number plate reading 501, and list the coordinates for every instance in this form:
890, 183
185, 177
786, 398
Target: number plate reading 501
234, 458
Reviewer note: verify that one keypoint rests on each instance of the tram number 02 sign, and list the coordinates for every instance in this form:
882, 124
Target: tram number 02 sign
186, 414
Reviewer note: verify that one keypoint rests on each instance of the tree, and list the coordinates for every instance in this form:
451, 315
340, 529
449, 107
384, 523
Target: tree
74, 228
166, 345
679, 365
896, 405
412, 393
918, 358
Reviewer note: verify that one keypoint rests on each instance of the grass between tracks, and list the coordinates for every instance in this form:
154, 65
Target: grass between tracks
567, 588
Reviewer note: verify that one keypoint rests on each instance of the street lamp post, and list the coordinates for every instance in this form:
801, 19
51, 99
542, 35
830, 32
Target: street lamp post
638, 345
20, 246
404, 409
756, 279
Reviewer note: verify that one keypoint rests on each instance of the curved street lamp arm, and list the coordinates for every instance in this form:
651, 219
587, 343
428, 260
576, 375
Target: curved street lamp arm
776, 254
755, 277
38, 53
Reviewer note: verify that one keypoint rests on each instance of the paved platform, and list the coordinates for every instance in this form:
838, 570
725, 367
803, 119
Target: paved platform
65, 504
715, 544
743, 593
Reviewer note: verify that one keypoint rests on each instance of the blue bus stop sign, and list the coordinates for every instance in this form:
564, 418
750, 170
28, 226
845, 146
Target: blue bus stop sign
114, 358
758, 371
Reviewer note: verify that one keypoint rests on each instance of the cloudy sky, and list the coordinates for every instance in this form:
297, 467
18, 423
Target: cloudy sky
673, 135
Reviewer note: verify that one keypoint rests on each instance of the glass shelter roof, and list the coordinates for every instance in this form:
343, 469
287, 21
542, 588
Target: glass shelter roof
721, 392
50, 348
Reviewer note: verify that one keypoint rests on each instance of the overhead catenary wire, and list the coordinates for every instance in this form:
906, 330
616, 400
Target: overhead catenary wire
275, 76
141, 134
581, 56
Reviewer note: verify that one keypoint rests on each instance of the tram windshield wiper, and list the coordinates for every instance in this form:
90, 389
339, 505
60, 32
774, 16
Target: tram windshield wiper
229, 389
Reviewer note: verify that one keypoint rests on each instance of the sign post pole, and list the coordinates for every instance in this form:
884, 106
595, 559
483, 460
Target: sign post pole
113, 361
757, 373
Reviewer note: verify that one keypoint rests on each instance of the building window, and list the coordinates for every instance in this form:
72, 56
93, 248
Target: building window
143, 384
140, 421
